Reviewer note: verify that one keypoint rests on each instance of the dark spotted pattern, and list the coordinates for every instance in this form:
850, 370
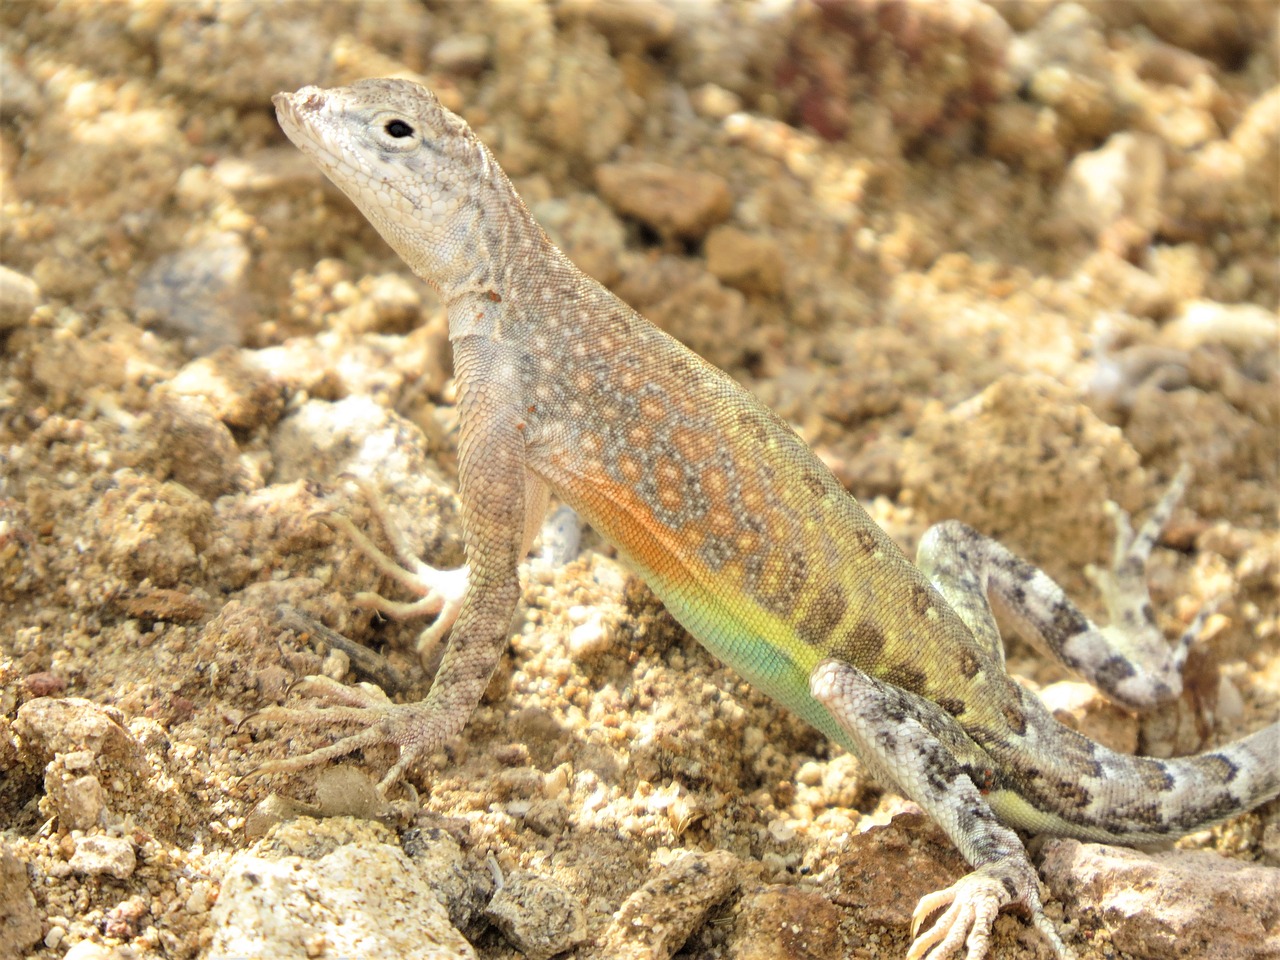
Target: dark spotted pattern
967, 663
823, 615
1067, 621
1216, 766
1155, 776
1015, 718
922, 598
815, 484
866, 541
864, 643
1114, 670
909, 678
1071, 796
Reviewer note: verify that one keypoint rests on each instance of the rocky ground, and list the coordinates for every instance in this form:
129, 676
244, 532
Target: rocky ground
1000, 262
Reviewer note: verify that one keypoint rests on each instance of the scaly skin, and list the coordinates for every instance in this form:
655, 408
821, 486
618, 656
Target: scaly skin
748, 539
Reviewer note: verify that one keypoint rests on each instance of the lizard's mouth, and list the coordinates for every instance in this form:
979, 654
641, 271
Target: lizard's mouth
298, 112
308, 99
290, 108
299, 115
287, 113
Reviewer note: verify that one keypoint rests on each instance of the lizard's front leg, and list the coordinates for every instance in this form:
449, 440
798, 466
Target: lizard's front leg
924, 752
440, 591
492, 481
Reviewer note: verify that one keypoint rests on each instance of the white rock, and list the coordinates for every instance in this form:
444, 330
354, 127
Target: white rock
100, 855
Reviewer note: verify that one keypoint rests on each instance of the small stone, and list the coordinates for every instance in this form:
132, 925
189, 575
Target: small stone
1069, 36
750, 262
335, 887
50, 727
360, 437
460, 888
885, 870
89, 950
181, 438
345, 791
201, 897
1243, 328
676, 203
715, 102
678, 897
125, 920
561, 536
19, 295
101, 855
1025, 134
538, 916
198, 294
588, 638
784, 923
396, 303
1119, 181
19, 918
43, 684
79, 802
462, 53
239, 390
274, 809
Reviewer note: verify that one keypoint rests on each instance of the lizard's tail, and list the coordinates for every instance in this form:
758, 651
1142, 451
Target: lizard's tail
1092, 793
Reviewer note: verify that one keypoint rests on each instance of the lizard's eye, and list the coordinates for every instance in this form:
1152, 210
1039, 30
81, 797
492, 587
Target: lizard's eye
398, 129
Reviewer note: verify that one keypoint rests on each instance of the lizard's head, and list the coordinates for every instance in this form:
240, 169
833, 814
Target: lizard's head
413, 167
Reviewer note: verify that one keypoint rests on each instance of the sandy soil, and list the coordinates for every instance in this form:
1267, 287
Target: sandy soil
994, 262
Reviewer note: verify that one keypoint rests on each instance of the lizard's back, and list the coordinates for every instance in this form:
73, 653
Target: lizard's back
739, 528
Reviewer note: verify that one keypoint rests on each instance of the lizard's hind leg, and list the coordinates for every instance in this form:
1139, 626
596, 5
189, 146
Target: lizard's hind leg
912, 743
1129, 659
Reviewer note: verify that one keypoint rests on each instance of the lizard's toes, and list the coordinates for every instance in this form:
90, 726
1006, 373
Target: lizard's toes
973, 902
366, 696
407, 727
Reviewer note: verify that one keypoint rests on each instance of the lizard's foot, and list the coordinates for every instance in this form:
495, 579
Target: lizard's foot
1132, 629
440, 591
971, 907
406, 726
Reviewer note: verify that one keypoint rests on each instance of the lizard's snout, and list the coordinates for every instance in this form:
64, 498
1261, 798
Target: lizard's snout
308, 99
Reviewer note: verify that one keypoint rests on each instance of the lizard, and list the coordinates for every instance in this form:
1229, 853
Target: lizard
748, 539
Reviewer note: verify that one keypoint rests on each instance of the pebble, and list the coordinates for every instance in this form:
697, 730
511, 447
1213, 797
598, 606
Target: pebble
677, 203
19, 296
1120, 180
194, 294
21, 920
538, 916
104, 856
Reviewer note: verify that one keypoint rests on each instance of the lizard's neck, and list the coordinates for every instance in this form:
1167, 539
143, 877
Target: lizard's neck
508, 272
491, 235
